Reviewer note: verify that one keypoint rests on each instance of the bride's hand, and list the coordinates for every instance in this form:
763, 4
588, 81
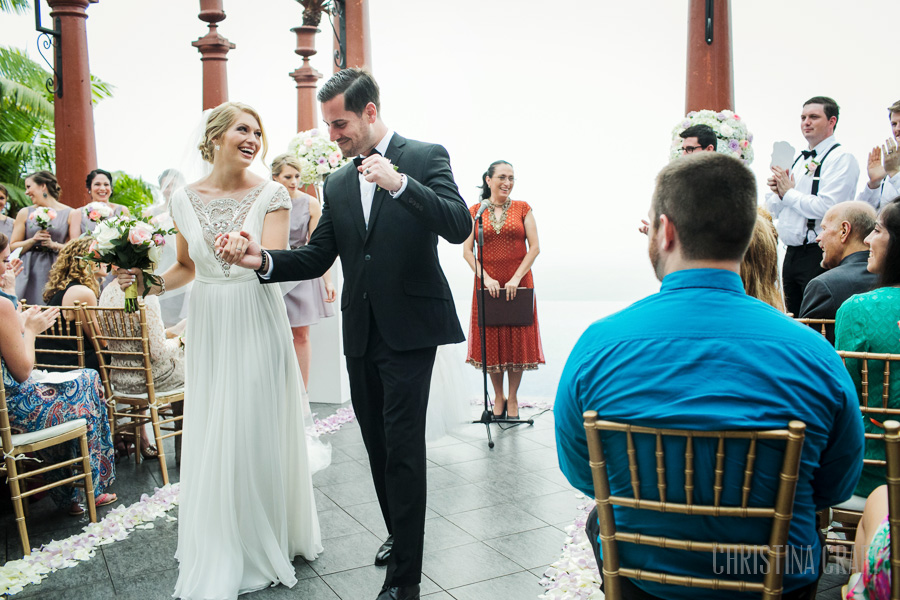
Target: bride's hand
237, 248
125, 277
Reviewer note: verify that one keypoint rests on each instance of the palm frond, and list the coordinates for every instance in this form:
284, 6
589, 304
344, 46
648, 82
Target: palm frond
18, 96
14, 6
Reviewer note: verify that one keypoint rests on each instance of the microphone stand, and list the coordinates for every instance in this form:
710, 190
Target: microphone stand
487, 416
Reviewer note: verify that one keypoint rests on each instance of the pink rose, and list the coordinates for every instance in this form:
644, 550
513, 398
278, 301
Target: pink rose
744, 144
51, 214
94, 215
737, 118
138, 236
159, 240
308, 142
334, 158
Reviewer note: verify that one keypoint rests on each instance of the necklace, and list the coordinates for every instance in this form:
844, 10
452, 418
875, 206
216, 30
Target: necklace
496, 223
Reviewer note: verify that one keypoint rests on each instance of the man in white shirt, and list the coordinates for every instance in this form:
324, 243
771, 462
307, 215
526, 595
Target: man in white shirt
820, 177
884, 166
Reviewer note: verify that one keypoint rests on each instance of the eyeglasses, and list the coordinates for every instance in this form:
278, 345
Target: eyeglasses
690, 149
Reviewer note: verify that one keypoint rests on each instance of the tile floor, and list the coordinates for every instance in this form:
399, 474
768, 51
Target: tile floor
495, 520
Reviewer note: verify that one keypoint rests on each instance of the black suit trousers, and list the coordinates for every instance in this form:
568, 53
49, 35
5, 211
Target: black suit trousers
801, 264
389, 392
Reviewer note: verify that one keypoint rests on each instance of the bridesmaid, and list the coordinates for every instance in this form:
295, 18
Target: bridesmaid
40, 247
99, 189
6, 223
309, 300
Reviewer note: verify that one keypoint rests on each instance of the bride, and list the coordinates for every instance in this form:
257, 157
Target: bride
246, 499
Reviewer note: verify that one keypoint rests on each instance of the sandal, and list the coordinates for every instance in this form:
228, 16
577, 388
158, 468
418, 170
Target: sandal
149, 452
104, 499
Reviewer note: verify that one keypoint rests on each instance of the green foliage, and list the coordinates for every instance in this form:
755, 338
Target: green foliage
133, 192
14, 6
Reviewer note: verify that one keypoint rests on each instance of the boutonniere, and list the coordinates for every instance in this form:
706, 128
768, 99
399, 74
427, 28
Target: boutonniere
396, 168
811, 166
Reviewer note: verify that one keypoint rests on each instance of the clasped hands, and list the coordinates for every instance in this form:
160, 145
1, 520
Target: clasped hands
237, 248
781, 181
884, 161
493, 286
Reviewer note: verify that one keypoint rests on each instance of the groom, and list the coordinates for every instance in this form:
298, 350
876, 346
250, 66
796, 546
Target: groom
383, 214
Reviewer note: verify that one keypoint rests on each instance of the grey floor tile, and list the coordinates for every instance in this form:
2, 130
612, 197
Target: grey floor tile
145, 550
357, 451
365, 582
438, 596
302, 569
460, 499
338, 456
352, 492
484, 469
456, 453
531, 549
440, 478
560, 507
536, 460
512, 443
146, 585
85, 575
520, 487
102, 590
341, 473
337, 523
323, 502
369, 516
305, 588
556, 476
510, 587
441, 533
495, 521
467, 564
347, 552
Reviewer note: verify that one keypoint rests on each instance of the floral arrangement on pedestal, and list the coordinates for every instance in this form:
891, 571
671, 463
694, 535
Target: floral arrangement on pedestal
42, 217
129, 243
734, 139
319, 156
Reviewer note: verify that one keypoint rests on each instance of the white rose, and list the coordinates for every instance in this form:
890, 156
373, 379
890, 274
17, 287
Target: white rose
105, 236
726, 131
155, 253
323, 169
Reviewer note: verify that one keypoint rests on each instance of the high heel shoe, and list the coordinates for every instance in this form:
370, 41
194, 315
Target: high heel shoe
501, 415
515, 416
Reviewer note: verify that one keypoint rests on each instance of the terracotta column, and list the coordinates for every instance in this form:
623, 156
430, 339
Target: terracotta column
359, 49
213, 49
76, 145
710, 78
306, 78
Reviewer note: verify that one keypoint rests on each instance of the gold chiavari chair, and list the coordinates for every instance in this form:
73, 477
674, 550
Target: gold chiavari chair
824, 326
122, 343
892, 452
68, 327
780, 512
15, 446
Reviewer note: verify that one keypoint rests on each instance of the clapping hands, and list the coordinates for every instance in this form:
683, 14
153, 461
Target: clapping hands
8, 280
884, 161
781, 181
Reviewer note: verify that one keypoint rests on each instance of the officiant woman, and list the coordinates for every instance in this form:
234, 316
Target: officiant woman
510, 247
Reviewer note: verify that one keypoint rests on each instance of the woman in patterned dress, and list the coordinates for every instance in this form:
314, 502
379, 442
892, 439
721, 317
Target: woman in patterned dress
309, 300
99, 189
39, 246
33, 405
510, 247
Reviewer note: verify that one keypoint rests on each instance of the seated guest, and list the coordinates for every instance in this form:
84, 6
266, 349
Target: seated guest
759, 269
844, 255
72, 279
34, 405
8, 271
883, 166
703, 355
872, 551
868, 323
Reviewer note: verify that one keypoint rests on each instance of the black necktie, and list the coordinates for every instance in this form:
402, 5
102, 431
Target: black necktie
357, 160
808, 153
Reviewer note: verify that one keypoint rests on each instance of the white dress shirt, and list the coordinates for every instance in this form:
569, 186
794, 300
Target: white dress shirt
884, 193
837, 183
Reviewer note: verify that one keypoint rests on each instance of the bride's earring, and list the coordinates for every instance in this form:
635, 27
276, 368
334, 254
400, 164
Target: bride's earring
216, 147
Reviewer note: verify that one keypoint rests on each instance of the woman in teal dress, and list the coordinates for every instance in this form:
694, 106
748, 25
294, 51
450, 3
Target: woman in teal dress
868, 323
33, 405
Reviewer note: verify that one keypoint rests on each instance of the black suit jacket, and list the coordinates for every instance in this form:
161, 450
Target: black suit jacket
824, 294
391, 269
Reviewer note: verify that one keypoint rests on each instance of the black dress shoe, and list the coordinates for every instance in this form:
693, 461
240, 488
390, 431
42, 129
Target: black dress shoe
406, 592
384, 552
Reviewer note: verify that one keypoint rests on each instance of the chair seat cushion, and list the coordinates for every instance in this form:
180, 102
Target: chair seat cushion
32, 437
159, 395
857, 503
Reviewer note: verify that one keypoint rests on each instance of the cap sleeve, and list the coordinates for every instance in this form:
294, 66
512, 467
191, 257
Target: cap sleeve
280, 199
526, 208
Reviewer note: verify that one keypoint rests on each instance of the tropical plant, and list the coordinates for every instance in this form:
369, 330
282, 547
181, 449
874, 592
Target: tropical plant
14, 6
133, 192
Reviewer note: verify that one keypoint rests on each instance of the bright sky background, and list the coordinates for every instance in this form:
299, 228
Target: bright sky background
581, 96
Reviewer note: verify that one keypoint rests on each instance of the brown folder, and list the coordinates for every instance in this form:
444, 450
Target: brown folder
517, 312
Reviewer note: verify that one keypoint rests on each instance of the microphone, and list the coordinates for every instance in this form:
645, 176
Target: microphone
482, 208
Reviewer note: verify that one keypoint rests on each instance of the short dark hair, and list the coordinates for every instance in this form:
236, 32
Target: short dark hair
358, 87
890, 219
485, 188
704, 134
831, 107
93, 174
711, 200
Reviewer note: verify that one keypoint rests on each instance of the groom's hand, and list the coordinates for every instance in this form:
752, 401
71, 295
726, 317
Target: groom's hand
237, 248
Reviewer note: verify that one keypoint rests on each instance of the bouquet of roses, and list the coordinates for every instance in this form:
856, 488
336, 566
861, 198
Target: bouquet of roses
129, 243
319, 156
43, 217
97, 210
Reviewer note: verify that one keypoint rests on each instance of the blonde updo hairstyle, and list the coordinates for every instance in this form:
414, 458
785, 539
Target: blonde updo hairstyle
284, 160
220, 119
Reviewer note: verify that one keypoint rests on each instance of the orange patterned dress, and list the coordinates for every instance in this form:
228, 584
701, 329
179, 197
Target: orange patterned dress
508, 348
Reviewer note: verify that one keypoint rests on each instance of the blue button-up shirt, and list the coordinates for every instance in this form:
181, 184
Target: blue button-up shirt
701, 354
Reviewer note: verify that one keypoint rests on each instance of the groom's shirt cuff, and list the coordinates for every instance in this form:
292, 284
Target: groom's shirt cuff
268, 273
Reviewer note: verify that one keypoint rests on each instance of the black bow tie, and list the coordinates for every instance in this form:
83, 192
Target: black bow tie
808, 153
357, 160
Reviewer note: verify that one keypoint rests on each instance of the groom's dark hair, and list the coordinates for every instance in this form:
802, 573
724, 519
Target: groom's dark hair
358, 87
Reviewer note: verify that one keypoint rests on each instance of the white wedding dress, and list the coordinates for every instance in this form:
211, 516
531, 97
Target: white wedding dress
246, 505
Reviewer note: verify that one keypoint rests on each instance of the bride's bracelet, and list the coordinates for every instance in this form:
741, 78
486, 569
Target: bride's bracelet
162, 287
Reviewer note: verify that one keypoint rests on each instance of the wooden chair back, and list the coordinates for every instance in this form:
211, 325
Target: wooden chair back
824, 326
780, 512
892, 451
68, 328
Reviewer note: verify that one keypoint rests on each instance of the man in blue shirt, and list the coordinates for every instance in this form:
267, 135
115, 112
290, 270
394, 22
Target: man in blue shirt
701, 354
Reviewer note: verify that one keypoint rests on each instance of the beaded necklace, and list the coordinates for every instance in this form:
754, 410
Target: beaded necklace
496, 223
